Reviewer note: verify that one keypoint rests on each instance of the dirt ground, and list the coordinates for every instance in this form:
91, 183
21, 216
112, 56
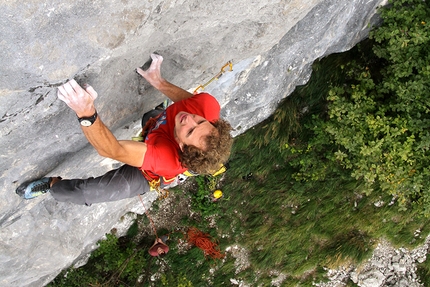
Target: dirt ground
167, 213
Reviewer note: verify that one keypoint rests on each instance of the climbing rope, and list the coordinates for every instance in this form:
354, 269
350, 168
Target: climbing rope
155, 184
149, 217
216, 77
204, 242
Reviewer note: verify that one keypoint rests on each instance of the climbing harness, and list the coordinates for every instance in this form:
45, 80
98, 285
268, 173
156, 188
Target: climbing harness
216, 77
155, 185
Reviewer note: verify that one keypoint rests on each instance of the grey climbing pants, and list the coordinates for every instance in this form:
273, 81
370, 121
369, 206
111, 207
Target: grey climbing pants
121, 183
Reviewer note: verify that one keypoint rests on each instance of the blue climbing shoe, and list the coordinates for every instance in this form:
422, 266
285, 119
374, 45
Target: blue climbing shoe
32, 189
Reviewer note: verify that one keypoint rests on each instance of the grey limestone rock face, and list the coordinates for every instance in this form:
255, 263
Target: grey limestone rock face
44, 43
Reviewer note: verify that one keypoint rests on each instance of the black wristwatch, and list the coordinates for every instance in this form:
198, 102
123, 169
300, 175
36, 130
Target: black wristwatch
88, 121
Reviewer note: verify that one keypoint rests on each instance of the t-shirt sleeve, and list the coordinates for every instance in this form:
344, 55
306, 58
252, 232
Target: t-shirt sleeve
205, 105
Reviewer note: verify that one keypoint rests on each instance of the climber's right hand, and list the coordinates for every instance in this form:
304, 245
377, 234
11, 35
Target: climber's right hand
153, 73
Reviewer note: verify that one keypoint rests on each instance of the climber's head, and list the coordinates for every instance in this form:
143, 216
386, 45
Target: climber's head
204, 145
161, 252
159, 249
190, 129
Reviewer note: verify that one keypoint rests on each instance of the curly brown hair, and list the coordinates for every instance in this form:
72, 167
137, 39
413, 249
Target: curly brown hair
218, 145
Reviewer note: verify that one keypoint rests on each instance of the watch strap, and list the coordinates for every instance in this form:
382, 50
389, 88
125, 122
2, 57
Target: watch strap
88, 121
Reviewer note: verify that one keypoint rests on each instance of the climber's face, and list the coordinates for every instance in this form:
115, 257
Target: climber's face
160, 251
190, 129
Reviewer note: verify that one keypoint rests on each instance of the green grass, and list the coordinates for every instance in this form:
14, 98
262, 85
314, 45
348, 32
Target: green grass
423, 271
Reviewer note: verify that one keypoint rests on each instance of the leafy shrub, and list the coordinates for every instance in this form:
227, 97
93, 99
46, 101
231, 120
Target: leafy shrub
379, 120
117, 262
201, 199
178, 280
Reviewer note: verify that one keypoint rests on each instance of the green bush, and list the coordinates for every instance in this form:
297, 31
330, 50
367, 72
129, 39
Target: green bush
202, 199
379, 120
117, 262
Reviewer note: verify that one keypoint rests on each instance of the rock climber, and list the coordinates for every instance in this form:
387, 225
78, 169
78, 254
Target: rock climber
187, 135
159, 248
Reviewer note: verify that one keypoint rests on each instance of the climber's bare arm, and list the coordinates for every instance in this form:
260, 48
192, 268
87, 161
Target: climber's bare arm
126, 151
99, 136
153, 76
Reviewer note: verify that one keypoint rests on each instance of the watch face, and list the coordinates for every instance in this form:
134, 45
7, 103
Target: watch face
86, 123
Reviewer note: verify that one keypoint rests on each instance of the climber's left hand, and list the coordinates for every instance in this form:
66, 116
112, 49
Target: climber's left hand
78, 99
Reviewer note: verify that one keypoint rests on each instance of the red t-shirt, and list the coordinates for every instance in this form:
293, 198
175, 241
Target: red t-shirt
162, 157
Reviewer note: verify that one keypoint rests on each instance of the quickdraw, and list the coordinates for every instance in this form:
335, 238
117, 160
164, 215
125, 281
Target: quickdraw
216, 77
155, 185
